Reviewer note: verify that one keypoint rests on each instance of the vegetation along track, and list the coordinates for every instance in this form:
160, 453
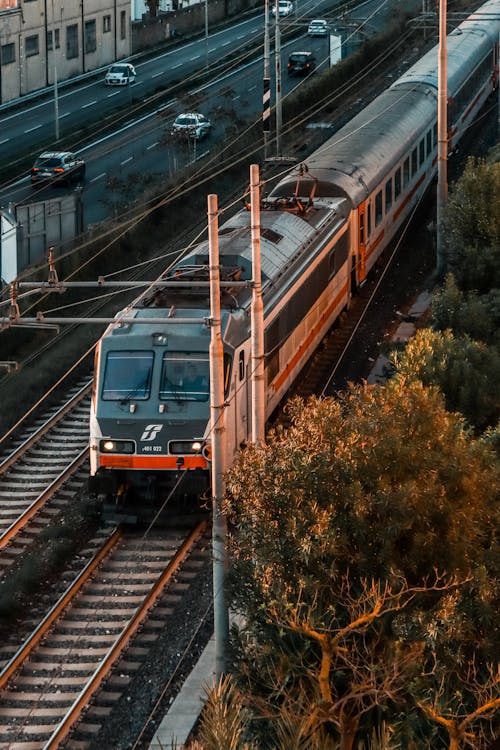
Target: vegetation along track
40, 476
98, 632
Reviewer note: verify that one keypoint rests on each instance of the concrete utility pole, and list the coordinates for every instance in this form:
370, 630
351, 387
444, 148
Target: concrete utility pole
277, 61
217, 429
206, 34
442, 184
257, 316
266, 95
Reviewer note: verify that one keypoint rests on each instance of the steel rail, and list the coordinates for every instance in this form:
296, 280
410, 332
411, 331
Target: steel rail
44, 428
35, 506
123, 640
66, 598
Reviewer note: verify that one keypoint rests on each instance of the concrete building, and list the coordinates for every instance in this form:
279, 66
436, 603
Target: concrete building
41, 39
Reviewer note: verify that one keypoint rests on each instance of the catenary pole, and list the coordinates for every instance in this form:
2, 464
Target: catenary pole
257, 316
442, 183
219, 531
266, 94
277, 63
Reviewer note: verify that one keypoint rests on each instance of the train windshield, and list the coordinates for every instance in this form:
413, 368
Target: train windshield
127, 376
184, 378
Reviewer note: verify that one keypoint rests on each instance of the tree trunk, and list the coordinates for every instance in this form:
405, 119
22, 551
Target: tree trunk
348, 729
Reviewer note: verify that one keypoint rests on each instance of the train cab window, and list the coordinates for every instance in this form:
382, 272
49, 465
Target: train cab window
241, 366
406, 172
388, 195
184, 377
429, 142
378, 208
421, 152
127, 376
397, 183
414, 162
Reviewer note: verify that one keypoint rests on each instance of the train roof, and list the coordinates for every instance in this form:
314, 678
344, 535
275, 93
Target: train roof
465, 47
354, 160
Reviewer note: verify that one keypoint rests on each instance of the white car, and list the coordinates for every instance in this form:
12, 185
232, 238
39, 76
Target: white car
285, 8
191, 125
120, 74
318, 27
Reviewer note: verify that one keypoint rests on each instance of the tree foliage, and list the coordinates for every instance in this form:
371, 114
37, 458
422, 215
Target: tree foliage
363, 548
467, 372
469, 314
473, 227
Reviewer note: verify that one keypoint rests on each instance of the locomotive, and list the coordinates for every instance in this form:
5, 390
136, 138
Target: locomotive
323, 226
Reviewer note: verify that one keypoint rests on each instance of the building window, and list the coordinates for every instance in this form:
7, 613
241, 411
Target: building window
123, 24
8, 53
31, 46
56, 37
90, 36
72, 41
106, 24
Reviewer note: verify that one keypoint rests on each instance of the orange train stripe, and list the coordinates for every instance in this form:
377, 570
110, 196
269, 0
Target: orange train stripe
152, 462
306, 343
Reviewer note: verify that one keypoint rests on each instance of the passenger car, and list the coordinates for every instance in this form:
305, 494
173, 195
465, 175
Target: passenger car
191, 125
57, 167
285, 8
301, 63
120, 74
318, 27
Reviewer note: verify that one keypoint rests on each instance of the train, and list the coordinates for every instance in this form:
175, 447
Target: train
323, 227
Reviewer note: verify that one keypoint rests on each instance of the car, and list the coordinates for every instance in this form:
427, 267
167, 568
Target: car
285, 8
120, 74
57, 167
318, 27
191, 125
301, 63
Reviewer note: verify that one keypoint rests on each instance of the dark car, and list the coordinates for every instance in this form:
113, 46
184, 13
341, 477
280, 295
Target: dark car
301, 63
57, 167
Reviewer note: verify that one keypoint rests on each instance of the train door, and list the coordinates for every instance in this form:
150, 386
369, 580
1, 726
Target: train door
362, 234
241, 426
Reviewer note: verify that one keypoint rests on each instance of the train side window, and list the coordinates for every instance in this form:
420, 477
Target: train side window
414, 162
435, 134
429, 142
331, 264
241, 366
272, 365
378, 208
368, 219
228, 361
406, 171
397, 183
421, 152
388, 195
361, 228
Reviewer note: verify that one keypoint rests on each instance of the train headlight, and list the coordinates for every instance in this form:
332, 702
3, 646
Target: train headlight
177, 447
116, 446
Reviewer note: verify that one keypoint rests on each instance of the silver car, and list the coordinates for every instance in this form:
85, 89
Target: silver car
318, 27
191, 125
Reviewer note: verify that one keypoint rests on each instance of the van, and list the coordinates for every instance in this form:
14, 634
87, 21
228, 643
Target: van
301, 63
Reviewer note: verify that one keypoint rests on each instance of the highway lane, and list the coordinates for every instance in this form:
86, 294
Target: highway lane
89, 101
120, 166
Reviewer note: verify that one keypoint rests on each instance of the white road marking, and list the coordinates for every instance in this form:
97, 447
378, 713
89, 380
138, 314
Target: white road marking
126, 161
179, 65
236, 97
224, 44
113, 93
194, 58
94, 179
4, 141
155, 75
66, 114
89, 104
35, 128
152, 145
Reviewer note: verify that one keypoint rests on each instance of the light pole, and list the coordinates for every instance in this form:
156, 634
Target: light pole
442, 184
206, 34
266, 94
56, 93
277, 62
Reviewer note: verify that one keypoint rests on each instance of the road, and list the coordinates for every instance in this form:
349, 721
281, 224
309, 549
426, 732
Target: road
120, 165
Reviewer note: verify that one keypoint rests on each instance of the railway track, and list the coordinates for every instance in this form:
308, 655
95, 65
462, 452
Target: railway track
95, 637
41, 473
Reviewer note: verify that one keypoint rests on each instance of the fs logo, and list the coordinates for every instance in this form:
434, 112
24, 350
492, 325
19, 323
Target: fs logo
151, 432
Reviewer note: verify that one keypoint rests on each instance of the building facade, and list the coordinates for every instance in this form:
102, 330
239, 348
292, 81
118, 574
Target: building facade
44, 40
